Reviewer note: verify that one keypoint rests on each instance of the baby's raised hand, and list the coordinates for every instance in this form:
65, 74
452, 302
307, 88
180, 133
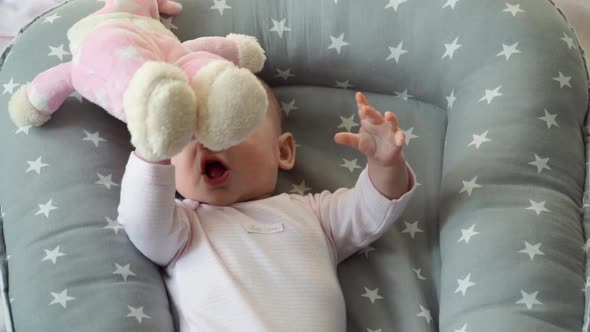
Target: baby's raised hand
379, 137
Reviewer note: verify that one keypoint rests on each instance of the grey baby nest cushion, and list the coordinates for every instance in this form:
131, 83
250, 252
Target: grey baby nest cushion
492, 96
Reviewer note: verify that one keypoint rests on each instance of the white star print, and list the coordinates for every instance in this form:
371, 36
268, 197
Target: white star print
451, 48
424, 313
105, 180
513, 9
300, 188
351, 165
24, 129
343, 84
288, 107
467, 234
58, 52
450, 3
529, 299
549, 119
52, 255
419, 274
532, 250
568, 40
538, 207
36, 166
491, 94
347, 123
468, 186
394, 4
372, 294
451, 100
464, 284
220, 5
479, 139
412, 228
563, 80
94, 138
284, 74
114, 225
51, 19
124, 271
540, 163
280, 28
2, 213
396, 52
126, 5
338, 43
167, 22
137, 313
46, 208
366, 250
508, 51
586, 246
409, 135
9, 87
463, 329
61, 298
403, 95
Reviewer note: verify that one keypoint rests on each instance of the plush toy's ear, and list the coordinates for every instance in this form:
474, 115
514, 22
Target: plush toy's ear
169, 7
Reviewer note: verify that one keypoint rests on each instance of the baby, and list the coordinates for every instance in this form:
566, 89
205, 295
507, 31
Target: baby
237, 258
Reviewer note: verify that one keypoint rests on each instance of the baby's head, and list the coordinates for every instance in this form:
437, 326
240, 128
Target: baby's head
245, 172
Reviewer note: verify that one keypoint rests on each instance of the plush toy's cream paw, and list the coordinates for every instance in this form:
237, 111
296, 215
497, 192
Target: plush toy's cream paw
22, 112
231, 104
160, 108
251, 53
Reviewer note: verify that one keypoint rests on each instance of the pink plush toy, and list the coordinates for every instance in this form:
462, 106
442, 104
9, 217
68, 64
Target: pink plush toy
127, 62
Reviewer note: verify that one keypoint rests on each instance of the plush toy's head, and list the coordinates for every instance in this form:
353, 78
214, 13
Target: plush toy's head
128, 63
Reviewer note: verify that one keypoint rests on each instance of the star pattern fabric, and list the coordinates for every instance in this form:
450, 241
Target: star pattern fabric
483, 100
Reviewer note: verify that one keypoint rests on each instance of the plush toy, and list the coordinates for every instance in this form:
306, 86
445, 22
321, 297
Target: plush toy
127, 62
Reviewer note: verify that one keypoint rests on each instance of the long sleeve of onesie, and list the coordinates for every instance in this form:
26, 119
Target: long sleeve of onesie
156, 225
353, 218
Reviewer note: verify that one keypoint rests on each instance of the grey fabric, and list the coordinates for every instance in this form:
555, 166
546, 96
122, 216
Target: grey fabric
494, 239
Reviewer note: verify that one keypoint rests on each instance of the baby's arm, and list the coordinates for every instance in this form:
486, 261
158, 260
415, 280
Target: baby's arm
154, 223
354, 218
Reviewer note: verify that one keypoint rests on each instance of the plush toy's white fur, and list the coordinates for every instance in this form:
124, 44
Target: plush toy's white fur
22, 112
220, 131
160, 109
252, 55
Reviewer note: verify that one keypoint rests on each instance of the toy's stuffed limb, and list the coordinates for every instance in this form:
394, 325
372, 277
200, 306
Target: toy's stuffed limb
33, 104
161, 110
169, 7
244, 51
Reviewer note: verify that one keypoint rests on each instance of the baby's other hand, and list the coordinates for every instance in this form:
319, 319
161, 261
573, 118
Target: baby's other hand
379, 137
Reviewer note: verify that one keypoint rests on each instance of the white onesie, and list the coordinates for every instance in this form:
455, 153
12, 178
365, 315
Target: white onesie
264, 265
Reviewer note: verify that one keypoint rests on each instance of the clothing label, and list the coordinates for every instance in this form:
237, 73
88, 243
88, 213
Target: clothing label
264, 229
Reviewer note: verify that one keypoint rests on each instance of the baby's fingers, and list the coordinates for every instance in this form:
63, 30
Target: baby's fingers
391, 118
370, 114
349, 139
400, 138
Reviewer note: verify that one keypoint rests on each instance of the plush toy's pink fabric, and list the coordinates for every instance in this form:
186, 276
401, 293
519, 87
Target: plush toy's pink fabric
108, 56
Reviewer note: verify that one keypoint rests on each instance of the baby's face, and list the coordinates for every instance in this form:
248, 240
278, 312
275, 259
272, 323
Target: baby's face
244, 172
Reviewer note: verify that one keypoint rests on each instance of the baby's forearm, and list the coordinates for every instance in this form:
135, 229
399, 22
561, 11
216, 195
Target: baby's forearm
391, 181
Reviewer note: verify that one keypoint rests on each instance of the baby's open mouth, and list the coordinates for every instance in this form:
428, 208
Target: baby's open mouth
214, 171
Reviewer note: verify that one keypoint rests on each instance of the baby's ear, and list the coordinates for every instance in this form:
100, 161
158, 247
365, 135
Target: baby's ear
287, 153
